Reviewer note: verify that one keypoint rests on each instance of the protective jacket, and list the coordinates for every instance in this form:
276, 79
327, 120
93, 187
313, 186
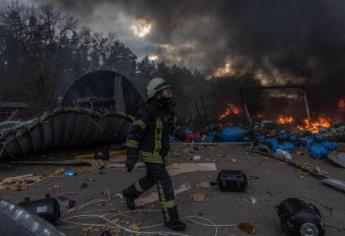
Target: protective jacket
149, 134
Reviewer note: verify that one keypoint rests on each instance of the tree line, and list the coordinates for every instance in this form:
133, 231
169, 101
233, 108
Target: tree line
42, 51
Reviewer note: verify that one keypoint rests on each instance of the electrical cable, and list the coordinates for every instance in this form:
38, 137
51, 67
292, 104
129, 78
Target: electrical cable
114, 225
94, 201
118, 226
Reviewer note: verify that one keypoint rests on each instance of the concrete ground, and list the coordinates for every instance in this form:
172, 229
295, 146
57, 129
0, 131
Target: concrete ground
270, 182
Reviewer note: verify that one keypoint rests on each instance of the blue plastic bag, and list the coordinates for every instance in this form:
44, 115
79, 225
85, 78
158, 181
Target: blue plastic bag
288, 147
307, 141
330, 146
283, 135
318, 152
232, 134
293, 138
318, 138
272, 143
211, 137
260, 137
69, 172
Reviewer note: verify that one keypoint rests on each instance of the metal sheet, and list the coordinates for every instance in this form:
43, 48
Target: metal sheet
338, 159
64, 128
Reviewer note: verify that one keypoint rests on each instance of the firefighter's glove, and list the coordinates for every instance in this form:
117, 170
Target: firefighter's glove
132, 158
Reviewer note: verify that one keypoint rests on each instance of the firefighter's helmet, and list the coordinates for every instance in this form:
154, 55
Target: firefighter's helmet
156, 85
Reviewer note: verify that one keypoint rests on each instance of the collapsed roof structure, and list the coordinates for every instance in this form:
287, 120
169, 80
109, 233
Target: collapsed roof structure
94, 110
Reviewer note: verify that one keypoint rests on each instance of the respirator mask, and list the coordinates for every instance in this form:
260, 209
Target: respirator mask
166, 98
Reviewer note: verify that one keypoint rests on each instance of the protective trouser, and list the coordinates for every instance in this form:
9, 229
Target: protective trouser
157, 174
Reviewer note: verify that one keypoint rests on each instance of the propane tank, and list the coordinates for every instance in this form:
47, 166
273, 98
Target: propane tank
16, 220
299, 218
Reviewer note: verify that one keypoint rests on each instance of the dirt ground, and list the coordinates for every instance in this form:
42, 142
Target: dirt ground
270, 182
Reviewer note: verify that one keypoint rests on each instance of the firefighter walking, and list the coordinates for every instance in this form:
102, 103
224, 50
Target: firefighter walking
148, 141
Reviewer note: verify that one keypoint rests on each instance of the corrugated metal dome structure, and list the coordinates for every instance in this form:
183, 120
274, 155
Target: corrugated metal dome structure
105, 85
93, 112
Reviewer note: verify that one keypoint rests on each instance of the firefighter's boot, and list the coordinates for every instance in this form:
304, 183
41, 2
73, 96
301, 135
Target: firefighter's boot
130, 194
174, 222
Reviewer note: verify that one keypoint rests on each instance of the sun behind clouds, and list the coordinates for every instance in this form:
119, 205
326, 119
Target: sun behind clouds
141, 28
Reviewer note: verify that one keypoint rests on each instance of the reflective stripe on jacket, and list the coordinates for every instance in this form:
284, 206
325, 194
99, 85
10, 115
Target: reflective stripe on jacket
149, 133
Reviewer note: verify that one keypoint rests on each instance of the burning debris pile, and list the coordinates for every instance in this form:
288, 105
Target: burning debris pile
320, 136
285, 132
318, 144
230, 110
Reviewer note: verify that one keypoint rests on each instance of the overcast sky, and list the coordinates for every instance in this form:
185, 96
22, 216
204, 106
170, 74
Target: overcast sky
294, 39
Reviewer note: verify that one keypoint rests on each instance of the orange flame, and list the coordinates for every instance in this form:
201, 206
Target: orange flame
230, 110
282, 119
314, 126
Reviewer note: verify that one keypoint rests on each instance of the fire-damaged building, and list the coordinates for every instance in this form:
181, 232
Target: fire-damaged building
15, 109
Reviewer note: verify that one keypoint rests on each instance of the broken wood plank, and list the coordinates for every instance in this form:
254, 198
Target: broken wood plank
97, 164
17, 186
153, 197
199, 197
13, 179
123, 165
181, 168
113, 154
66, 162
53, 163
204, 184
18, 183
32, 179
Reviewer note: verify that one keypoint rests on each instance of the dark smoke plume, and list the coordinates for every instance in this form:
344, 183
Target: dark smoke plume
278, 41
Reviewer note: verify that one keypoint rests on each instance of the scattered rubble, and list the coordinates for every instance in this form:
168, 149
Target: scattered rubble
181, 168
247, 227
199, 197
283, 146
300, 166
337, 158
196, 158
18, 183
204, 184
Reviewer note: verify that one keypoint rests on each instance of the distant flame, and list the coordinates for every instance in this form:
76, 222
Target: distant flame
282, 119
314, 126
230, 110
227, 70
